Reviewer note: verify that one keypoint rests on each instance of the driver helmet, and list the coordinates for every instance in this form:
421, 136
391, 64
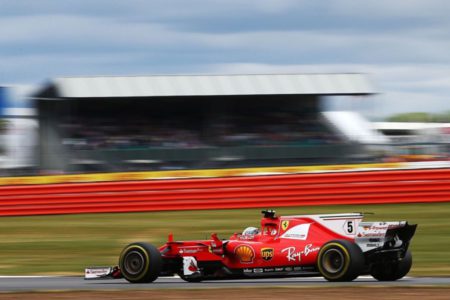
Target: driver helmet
250, 231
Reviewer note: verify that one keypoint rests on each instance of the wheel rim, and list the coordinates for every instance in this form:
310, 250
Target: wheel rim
333, 261
134, 262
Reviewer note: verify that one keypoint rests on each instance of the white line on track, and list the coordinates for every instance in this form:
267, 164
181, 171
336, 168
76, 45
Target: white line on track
30, 276
175, 276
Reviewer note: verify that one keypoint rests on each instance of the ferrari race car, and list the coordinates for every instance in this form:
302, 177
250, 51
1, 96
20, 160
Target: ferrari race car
339, 247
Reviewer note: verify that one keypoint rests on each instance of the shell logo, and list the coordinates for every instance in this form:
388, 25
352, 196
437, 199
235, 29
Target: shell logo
245, 253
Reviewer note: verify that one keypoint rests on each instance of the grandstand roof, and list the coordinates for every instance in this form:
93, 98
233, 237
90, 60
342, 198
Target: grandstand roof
206, 85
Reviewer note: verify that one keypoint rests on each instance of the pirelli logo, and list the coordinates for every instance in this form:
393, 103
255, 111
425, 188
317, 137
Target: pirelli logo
267, 253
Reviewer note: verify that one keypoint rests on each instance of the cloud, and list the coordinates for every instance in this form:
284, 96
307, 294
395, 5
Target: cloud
400, 102
164, 8
376, 9
67, 33
82, 31
403, 44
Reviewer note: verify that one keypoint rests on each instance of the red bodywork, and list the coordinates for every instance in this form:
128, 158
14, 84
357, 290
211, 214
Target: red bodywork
339, 247
273, 249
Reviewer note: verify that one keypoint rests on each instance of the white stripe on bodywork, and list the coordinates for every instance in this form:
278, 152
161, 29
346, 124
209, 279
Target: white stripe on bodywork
299, 232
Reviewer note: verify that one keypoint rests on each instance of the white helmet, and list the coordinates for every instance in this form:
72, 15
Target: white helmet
250, 231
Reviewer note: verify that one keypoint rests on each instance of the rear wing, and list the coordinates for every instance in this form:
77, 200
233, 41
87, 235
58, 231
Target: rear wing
385, 235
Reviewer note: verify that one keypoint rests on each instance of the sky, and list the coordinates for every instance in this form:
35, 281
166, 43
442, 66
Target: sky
403, 46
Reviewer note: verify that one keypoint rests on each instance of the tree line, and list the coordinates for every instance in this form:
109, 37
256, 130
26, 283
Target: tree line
420, 117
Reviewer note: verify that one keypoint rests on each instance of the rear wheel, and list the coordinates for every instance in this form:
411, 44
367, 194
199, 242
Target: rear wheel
340, 260
390, 271
140, 263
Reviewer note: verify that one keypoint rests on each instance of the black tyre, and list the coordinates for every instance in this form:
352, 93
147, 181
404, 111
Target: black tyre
340, 260
140, 263
392, 271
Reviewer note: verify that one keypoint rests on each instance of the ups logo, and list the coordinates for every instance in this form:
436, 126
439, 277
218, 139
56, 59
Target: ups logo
267, 253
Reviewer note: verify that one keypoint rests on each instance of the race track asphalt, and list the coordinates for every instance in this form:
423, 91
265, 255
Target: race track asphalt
16, 284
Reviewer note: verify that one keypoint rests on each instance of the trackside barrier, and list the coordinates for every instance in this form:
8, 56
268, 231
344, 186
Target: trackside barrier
211, 173
370, 187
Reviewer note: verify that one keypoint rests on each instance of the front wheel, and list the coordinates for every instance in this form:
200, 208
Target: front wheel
340, 260
140, 263
393, 270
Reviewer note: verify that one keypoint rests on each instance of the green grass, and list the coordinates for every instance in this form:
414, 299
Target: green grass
67, 244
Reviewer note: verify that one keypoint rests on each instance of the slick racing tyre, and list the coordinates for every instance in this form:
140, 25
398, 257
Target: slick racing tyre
140, 263
340, 260
390, 271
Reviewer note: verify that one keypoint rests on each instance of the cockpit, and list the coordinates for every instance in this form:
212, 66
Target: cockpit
250, 231
269, 227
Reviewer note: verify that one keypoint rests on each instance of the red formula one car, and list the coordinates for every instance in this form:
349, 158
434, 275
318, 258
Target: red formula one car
339, 247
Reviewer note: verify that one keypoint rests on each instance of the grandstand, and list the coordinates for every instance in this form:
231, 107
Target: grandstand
198, 121
416, 141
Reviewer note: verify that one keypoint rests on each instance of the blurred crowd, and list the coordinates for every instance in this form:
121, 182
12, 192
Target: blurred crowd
110, 133
270, 129
238, 130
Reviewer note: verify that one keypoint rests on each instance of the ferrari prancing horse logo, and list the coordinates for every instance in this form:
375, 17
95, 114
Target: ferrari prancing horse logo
284, 225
